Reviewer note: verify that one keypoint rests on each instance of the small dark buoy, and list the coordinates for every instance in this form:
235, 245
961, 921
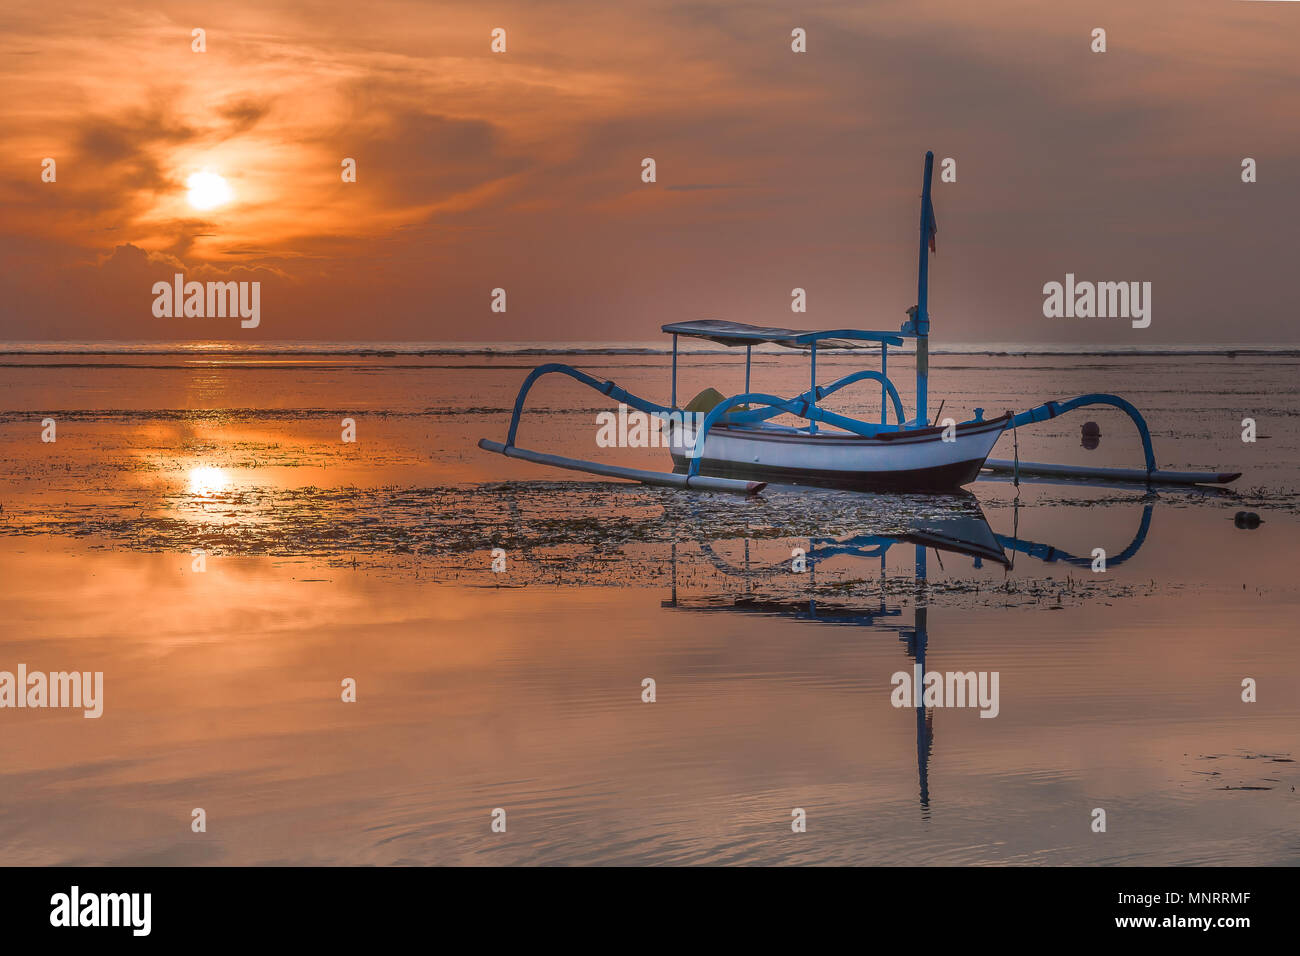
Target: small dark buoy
1246, 519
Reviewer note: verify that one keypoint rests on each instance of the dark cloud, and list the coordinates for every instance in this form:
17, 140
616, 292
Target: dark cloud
422, 157
243, 114
122, 149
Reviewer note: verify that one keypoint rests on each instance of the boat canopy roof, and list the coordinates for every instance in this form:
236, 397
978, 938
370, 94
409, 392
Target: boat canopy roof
737, 333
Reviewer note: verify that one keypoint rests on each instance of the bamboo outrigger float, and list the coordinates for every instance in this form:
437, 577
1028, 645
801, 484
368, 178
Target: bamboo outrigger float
730, 444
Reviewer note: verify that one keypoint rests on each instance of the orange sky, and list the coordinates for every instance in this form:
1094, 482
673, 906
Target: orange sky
522, 170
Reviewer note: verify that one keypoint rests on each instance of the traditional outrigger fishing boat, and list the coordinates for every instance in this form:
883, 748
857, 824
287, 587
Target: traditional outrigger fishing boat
731, 444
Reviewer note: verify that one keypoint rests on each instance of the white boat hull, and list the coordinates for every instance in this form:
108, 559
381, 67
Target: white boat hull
916, 460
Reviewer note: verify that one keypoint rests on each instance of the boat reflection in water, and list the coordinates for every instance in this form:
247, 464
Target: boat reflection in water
964, 534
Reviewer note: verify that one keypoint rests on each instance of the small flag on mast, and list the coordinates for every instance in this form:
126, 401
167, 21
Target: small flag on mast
931, 225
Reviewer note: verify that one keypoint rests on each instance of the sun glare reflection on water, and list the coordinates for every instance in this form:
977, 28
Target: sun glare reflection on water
206, 481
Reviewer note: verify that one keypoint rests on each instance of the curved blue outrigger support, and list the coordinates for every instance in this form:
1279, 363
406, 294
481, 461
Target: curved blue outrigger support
606, 387
1048, 410
821, 391
801, 405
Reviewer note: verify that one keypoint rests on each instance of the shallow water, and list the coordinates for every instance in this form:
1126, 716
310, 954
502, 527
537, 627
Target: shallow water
522, 690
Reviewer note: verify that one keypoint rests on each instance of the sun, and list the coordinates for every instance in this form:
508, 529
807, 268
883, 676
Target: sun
208, 190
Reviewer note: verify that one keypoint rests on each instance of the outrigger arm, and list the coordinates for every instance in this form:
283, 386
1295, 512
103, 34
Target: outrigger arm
803, 405
1150, 475
670, 479
605, 388
1049, 410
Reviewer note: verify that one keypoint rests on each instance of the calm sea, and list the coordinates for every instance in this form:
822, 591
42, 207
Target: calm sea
326, 561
